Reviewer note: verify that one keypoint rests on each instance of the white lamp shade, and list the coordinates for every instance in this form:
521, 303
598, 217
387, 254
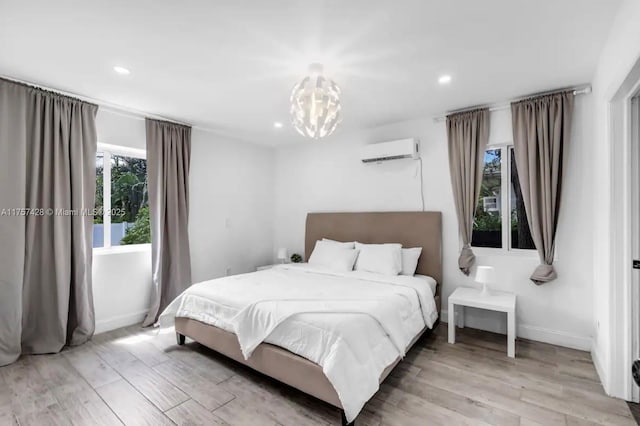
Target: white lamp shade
485, 275
282, 253
315, 104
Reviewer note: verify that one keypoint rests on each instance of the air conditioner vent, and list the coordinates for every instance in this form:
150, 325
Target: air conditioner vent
392, 150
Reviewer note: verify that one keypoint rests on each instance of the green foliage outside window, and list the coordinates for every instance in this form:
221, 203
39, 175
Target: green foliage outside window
99, 201
129, 197
140, 232
487, 222
491, 185
128, 187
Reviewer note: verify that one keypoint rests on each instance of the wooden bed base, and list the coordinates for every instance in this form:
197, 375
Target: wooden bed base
271, 360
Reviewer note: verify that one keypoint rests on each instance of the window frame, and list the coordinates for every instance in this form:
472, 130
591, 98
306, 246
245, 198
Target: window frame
108, 151
505, 208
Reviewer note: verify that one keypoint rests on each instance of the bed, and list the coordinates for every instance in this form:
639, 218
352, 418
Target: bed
203, 321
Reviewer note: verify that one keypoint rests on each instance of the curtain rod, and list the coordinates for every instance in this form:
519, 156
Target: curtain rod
582, 89
108, 106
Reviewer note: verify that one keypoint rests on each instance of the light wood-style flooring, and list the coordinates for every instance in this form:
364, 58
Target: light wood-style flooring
141, 377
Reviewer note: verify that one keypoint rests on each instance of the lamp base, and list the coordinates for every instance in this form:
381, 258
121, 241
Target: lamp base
485, 290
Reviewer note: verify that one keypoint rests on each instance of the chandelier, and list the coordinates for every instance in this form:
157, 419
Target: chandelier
315, 104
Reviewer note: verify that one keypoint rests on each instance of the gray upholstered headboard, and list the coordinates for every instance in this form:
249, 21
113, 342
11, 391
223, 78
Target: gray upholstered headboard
411, 229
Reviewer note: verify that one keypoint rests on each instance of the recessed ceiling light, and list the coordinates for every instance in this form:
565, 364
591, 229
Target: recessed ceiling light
121, 70
444, 79
277, 125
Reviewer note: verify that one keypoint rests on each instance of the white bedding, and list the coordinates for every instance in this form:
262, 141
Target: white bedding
338, 320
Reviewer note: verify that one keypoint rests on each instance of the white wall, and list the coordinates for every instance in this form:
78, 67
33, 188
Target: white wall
121, 288
328, 176
121, 280
120, 128
618, 57
231, 206
230, 219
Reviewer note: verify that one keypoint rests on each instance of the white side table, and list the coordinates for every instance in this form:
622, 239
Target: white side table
262, 268
496, 301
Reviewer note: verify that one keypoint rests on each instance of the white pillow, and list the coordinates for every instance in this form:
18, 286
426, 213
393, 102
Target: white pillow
383, 259
332, 256
410, 258
340, 243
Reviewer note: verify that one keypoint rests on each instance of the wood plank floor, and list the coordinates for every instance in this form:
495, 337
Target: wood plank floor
635, 410
137, 376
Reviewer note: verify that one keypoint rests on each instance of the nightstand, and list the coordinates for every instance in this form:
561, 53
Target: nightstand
265, 267
499, 301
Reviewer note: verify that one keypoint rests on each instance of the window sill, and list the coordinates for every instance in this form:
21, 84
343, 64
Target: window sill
488, 251
520, 253
133, 248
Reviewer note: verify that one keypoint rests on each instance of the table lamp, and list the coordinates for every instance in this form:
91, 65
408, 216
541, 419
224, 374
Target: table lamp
282, 254
485, 275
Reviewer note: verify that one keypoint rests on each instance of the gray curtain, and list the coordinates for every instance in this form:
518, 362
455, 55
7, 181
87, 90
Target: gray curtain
467, 134
168, 157
47, 163
541, 131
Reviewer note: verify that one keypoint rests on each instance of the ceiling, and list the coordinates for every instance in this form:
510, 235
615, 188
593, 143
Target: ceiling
229, 66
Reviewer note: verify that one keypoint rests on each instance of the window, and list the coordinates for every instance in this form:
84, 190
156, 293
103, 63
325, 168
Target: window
121, 198
487, 225
500, 219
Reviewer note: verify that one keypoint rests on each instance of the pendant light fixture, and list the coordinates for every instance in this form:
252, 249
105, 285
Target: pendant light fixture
315, 104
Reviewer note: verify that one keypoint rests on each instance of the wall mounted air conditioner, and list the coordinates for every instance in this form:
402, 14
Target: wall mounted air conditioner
392, 150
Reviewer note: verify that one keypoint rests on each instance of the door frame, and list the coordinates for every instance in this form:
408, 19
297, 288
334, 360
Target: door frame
623, 208
634, 135
634, 111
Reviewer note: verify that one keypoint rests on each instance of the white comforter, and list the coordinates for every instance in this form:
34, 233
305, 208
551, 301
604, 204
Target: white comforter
353, 324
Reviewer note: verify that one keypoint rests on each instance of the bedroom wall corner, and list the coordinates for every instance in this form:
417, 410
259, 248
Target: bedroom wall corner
231, 206
230, 221
328, 176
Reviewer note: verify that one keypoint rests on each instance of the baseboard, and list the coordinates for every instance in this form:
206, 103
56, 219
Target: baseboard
119, 321
554, 337
539, 334
599, 368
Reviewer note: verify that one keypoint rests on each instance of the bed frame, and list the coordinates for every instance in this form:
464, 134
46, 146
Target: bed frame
411, 229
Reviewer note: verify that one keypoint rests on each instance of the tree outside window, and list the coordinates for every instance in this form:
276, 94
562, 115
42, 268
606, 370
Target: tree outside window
487, 224
126, 214
500, 217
